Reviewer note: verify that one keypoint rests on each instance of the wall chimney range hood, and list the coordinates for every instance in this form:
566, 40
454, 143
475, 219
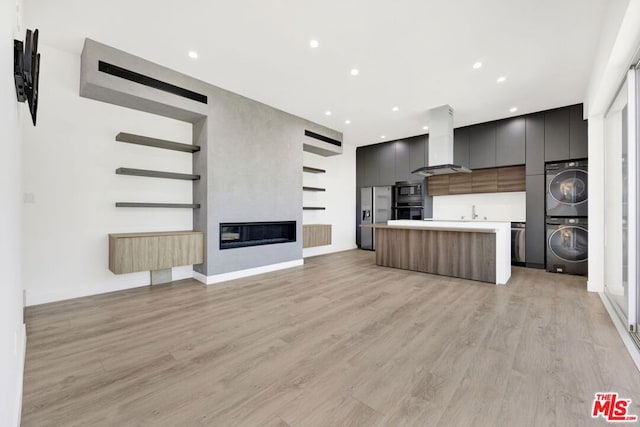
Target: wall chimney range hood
440, 170
440, 144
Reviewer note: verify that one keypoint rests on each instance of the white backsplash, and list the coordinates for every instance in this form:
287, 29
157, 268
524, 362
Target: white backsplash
489, 206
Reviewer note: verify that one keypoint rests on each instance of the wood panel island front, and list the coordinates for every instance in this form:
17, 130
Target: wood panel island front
475, 250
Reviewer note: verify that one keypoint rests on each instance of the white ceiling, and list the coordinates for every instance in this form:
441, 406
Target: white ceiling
413, 54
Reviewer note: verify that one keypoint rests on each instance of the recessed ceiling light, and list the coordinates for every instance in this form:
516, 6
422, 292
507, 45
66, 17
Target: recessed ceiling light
501, 79
314, 44
383, 136
193, 54
477, 65
513, 109
327, 113
354, 71
395, 109
425, 127
347, 121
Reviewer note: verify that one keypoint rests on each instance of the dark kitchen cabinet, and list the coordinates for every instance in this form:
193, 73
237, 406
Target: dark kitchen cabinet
556, 135
482, 146
386, 163
366, 169
578, 140
510, 142
418, 155
402, 165
360, 167
534, 136
535, 231
461, 146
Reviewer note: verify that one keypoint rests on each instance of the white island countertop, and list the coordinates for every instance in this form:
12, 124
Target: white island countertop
480, 226
502, 230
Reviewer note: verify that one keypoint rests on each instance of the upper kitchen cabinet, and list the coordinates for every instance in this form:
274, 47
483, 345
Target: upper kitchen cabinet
578, 140
403, 164
556, 135
482, 145
386, 163
366, 166
510, 142
534, 136
461, 146
418, 155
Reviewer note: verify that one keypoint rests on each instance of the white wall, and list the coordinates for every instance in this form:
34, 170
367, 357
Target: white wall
69, 172
340, 182
619, 43
489, 206
12, 338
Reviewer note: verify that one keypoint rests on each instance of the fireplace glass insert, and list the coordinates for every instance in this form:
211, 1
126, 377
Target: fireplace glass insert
242, 234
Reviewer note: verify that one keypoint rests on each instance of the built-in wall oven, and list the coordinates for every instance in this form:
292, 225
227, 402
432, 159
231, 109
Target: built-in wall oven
408, 200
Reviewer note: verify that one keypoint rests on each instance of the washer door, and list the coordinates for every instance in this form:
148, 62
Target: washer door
569, 187
569, 243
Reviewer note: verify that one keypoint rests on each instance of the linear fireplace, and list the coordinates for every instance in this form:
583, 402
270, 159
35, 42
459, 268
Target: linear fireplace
242, 234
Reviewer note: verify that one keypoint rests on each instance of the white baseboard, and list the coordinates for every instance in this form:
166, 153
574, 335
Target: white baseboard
22, 348
324, 250
622, 330
217, 278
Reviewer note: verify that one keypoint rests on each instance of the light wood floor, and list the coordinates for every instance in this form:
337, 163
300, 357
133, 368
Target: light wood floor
339, 341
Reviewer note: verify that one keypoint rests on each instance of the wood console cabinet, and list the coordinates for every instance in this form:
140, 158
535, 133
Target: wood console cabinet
316, 235
133, 252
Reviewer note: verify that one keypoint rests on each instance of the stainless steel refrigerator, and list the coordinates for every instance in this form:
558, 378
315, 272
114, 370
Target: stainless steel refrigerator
375, 208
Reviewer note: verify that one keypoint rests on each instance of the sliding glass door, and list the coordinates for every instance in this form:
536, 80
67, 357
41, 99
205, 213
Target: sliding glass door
621, 182
616, 183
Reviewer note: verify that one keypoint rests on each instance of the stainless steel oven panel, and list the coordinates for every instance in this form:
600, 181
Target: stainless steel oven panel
518, 243
409, 192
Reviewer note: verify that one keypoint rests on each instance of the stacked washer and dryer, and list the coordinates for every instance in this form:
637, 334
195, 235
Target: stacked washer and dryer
567, 217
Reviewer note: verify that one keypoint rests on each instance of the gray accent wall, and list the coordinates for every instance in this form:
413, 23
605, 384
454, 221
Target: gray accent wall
250, 159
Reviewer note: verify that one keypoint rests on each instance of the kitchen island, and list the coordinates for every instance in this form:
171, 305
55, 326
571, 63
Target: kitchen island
475, 250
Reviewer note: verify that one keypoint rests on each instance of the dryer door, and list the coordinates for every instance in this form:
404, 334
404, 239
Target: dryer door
567, 193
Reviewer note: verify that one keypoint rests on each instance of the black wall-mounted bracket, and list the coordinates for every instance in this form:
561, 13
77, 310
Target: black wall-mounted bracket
26, 71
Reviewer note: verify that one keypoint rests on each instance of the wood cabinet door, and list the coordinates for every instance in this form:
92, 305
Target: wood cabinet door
484, 181
511, 178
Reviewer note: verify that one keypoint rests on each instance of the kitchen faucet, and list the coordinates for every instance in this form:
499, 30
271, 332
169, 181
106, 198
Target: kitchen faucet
474, 215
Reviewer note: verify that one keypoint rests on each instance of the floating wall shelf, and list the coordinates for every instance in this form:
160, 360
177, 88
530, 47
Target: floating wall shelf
312, 170
313, 208
313, 189
157, 205
157, 174
158, 143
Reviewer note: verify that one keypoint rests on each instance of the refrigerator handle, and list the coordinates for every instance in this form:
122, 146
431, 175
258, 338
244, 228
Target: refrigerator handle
366, 214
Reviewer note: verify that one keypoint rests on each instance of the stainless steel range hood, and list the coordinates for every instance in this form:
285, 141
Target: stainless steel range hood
440, 144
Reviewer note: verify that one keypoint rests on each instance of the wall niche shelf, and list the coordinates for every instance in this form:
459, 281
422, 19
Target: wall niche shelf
313, 208
157, 205
313, 189
312, 170
157, 174
155, 142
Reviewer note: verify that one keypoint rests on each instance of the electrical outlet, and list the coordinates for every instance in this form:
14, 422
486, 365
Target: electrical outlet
29, 198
